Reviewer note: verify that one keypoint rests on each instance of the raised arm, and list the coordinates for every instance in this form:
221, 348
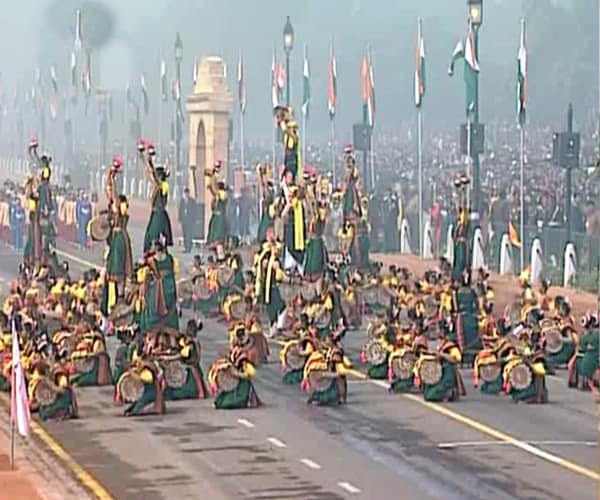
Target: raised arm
147, 153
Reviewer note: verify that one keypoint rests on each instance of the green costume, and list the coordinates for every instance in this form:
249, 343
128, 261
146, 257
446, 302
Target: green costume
159, 223
267, 220
461, 246
587, 358
119, 262
217, 227
351, 199
466, 300
360, 248
100, 369
269, 294
450, 387
316, 252
194, 386
160, 295
32, 252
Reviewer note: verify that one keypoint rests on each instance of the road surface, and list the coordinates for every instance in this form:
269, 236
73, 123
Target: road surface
379, 446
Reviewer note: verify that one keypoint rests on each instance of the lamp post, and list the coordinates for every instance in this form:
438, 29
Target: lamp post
475, 17
288, 45
178, 57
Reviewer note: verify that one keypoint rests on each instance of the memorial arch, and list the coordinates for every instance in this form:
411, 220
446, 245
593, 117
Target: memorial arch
209, 107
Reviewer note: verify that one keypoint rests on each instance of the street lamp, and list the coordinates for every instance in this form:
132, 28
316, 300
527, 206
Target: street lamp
288, 45
475, 11
178, 58
476, 133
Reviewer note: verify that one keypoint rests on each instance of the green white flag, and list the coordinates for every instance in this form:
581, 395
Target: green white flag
522, 77
306, 90
466, 50
420, 68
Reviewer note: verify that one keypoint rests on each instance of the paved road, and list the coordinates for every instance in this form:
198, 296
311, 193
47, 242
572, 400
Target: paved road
379, 446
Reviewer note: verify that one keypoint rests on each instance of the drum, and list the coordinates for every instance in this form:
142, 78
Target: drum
323, 318
122, 314
520, 377
175, 373
349, 304
84, 364
402, 366
131, 387
320, 380
375, 328
432, 306
308, 290
45, 392
292, 357
225, 276
553, 340
201, 289
370, 294
375, 352
430, 371
225, 378
99, 227
490, 372
288, 292
237, 308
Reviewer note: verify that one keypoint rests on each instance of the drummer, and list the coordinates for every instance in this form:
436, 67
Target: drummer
243, 395
450, 386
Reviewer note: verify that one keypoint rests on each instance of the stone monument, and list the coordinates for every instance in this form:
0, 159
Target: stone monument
209, 107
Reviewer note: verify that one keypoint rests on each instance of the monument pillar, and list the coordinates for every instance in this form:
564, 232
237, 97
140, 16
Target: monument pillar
209, 107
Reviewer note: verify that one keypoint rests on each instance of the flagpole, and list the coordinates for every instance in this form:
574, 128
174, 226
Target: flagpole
420, 174
242, 159
333, 169
469, 159
522, 194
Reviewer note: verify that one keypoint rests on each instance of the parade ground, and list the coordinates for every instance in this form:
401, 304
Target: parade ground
380, 445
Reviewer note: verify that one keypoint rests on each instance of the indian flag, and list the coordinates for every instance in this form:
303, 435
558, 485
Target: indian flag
306, 90
420, 68
522, 77
332, 83
274, 86
241, 85
368, 89
513, 235
466, 50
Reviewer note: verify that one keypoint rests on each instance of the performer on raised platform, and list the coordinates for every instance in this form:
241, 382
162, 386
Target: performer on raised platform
217, 226
119, 261
159, 224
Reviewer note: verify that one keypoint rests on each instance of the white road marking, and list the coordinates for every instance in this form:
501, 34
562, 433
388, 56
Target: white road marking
276, 442
348, 487
463, 444
492, 432
310, 464
245, 423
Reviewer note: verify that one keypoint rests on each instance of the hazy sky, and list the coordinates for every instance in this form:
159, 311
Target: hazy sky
146, 29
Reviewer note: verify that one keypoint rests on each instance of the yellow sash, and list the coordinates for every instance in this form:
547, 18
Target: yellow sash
298, 225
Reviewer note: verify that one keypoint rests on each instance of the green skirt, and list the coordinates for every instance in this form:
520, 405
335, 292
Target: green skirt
529, 393
494, 387
293, 377
265, 223
243, 396
159, 224
402, 385
119, 263
315, 258
189, 390
460, 259
378, 372
563, 356
217, 228
63, 407
329, 396
438, 392
589, 364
